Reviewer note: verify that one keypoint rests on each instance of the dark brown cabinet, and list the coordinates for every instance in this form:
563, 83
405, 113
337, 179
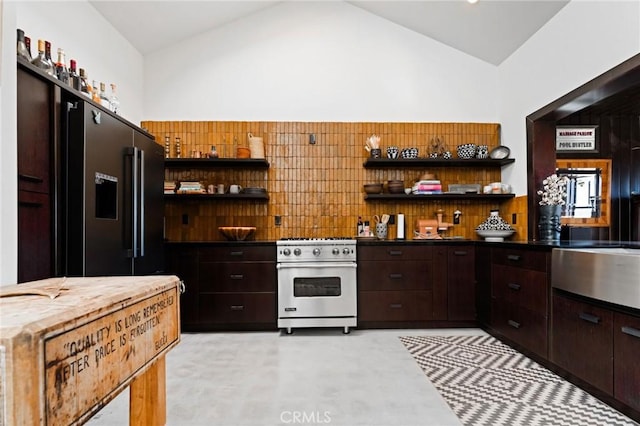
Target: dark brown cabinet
582, 341
626, 368
400, 285
520, 297
461, 283
37, 105
227, 286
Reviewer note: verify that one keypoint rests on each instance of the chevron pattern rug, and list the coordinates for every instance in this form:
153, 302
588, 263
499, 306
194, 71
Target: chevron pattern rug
485, 382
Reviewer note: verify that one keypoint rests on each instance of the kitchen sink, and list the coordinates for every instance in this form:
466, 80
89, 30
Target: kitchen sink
607, 274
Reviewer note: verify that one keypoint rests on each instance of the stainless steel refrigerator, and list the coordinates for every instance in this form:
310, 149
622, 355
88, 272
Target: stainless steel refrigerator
113, 212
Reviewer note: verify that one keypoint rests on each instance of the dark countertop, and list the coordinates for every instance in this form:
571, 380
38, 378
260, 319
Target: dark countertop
542, 245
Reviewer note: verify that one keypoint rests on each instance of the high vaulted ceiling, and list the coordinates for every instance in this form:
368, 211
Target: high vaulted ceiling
490, 30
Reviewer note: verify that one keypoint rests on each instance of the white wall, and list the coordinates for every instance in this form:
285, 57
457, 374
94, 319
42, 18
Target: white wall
317, 61
585, 39
8, 149
87, 37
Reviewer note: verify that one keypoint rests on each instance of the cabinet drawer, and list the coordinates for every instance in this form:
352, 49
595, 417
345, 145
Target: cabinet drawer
238, 308
523, 326
386, 275
522, 287
582, 341
626, 344
394, 252
394, 306
527, 259
237, 276
238, 253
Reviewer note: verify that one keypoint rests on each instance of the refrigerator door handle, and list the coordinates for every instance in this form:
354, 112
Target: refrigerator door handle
133, 152
141, 151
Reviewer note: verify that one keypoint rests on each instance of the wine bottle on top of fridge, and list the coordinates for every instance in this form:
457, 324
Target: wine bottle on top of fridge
62, 73
22, 50
114, 101
104, 99
40, 61
95, 92
74, 78
85, 87
27, 43
47, 55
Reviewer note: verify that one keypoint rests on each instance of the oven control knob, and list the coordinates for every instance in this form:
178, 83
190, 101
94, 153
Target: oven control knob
335, 251
316, 251
297, 252
346, 250
286, 252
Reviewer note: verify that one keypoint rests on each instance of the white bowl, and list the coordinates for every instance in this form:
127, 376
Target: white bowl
495, 235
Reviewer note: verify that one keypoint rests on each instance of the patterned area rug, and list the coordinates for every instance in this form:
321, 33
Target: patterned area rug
485, 382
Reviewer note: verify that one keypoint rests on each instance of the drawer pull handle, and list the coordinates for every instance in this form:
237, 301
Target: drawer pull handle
395, 252
236, 276
237, 253
237, 307
631, 331
513, 324
395, 276
589, 318
514, 286
514, 257
395, 305
30, 178
460, 253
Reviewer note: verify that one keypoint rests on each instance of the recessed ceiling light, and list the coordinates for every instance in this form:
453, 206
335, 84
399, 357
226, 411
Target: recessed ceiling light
473, 1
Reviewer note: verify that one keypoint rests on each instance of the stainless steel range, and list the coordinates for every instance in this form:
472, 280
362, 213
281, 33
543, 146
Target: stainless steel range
317, 283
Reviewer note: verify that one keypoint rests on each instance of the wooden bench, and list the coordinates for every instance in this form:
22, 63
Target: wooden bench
68, 346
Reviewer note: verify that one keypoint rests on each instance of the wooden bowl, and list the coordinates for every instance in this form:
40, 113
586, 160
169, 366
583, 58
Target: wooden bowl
373, 188
243, 152
237, 233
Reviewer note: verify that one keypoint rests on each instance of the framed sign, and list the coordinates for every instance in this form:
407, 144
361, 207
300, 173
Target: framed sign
577, 139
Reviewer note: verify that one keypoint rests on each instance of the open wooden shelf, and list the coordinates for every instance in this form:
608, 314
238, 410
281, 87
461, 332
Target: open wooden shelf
428, 197
256, 163
434, 162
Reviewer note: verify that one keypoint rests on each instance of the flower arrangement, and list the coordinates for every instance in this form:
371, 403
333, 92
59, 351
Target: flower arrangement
554, 191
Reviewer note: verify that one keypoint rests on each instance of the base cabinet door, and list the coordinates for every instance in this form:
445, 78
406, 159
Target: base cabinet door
626, 359
382, 306
461, 284
582, 341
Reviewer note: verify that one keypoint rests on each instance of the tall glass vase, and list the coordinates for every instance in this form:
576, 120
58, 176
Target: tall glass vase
549, 223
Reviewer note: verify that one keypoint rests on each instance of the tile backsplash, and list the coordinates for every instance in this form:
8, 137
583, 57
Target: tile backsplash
317, 189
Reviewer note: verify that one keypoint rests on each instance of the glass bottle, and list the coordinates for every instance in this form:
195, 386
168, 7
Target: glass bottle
104, 99
47, 55
113, 100
85, 87
22, 50
95, 92
40, 61
214, 152
62, 73
167, 146
27, 43
74, 78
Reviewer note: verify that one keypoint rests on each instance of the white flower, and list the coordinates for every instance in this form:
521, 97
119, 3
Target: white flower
554, 191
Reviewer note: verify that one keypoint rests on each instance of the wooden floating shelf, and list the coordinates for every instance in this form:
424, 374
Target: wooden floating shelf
435, 162
429, 197
257, 163
257, 197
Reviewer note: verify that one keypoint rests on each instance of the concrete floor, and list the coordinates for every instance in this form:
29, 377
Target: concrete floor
314, 376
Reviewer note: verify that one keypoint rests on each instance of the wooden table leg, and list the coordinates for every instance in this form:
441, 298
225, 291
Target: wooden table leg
148, 398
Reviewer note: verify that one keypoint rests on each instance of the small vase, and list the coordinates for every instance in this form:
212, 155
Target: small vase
549, 222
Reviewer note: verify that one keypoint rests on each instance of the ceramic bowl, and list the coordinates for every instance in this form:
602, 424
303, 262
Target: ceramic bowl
495, 234
372, 188
237, 233
466, 150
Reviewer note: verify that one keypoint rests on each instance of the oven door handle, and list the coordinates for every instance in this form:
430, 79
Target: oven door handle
317, 265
